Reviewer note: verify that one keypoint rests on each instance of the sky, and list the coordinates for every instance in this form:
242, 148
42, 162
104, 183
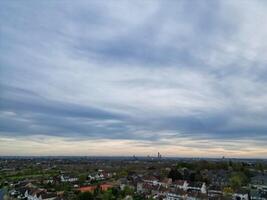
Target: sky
185, 78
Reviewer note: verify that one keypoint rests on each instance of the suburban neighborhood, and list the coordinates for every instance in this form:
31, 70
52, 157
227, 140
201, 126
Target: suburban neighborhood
133, 178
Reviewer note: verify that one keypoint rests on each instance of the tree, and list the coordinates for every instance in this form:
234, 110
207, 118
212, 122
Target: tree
115, 192
86, 196
138, 197
174, 174
260, 167
238, 179
127, 191
82, 178
107, 195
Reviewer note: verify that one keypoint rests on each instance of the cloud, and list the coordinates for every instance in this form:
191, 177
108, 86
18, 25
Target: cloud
135, 71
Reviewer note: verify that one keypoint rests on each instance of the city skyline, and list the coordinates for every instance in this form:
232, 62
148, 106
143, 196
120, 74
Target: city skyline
183, 78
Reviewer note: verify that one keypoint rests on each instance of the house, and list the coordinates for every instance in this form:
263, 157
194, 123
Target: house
197, 186
139, 187
241, 195
151, 179
105, 187
218, 177
92, 188
49, 181
70, 179
259, 182
99, 175
181, 184
215, 192
196, 195
39, 194
123, 182
173, 196
258, 195
87, 189
176, 195
49, 196
166, 182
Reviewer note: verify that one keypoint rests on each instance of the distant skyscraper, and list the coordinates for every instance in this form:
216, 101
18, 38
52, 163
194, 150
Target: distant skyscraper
159, 156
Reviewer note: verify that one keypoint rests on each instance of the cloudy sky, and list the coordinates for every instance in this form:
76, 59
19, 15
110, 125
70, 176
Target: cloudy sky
186, 78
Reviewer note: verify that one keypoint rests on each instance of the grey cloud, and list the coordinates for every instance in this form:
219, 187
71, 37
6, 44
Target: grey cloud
115, 71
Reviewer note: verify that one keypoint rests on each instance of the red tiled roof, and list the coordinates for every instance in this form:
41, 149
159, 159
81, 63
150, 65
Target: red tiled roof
87, 189
103, 187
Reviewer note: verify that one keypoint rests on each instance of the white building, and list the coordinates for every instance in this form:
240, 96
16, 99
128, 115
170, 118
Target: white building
68, 179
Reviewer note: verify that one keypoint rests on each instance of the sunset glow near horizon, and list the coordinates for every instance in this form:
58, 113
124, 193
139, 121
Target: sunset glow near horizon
123, 78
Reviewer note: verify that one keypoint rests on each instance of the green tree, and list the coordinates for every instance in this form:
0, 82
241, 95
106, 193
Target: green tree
237, 180
138, 197
86, 196
115, 192
260, 167
107, 195
127, 191
174, 174
82, 178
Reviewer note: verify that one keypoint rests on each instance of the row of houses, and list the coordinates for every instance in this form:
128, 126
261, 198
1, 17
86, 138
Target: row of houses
183, 189
28, 191
100, 175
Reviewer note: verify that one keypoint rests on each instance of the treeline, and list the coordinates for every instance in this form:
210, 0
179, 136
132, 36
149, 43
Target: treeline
238, 174
224, 165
